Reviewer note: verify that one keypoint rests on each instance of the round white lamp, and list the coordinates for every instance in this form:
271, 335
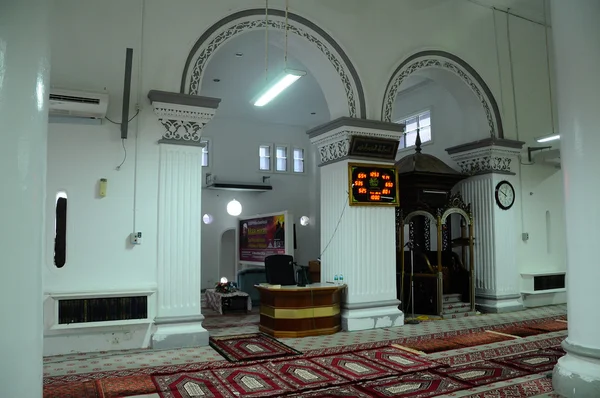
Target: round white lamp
223, 280
207, 218
304, 221
234, 208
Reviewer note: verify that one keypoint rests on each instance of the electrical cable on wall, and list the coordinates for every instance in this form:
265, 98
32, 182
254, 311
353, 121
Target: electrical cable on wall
124, 154
118, 168
548, 69
337, 226
129, 121
139, 102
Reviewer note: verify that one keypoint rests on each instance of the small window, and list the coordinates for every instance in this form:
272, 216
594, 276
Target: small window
298, 160
264, 155
281, 158
60, 230
421, 122
205, 152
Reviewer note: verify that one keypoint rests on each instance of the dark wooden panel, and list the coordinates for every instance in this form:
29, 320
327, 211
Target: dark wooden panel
300, 325
299, 298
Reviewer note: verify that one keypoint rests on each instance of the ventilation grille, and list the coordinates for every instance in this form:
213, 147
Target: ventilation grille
102, 309
548, 282
70, 98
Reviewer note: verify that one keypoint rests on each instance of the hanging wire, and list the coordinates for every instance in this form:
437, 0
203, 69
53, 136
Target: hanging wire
266, 40
548, 66
512, 73
124, 156
287, 9
498, 59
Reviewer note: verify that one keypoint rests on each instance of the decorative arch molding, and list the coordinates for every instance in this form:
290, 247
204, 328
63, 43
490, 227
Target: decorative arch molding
450, 62
254, 19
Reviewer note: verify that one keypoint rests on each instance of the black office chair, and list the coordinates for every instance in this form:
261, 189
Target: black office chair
279, 269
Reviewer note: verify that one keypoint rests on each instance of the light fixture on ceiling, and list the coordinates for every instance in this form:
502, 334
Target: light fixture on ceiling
234, 208
285, 79
276, 87
547, 138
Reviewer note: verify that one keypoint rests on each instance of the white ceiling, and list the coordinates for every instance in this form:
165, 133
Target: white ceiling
242, 78
531, 9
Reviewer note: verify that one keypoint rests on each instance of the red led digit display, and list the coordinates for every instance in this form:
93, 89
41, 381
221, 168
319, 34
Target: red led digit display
372, 185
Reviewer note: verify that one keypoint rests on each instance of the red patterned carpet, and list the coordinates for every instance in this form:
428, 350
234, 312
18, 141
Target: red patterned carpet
459, 364
250, 347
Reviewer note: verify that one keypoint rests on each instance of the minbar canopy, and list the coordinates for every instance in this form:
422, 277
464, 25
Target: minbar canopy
423, 179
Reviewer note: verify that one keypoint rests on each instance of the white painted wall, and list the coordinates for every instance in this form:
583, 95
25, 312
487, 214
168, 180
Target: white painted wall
541, 184
234, 157
99, 255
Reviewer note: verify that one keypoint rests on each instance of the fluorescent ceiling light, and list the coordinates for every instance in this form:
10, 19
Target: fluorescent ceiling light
548, 138
275, 88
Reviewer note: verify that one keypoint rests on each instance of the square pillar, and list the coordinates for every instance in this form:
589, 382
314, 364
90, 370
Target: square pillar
492, 163
358, 242
24, 86
575, 33
179, 317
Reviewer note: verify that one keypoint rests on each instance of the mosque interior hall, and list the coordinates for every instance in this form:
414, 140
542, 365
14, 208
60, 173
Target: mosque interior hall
299, 198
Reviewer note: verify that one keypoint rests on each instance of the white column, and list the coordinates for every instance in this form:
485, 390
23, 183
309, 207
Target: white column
179, 317
576, 37
497, 277
357, 242
24, 75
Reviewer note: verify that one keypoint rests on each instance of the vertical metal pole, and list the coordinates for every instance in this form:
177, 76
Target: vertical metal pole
402, 262
126, 93
439, 264
472, 263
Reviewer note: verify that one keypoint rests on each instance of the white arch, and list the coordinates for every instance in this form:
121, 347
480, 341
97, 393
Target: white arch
427, 60
305, 38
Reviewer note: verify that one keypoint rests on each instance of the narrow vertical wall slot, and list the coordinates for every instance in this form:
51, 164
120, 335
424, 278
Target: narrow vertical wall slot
60, 230
548, 232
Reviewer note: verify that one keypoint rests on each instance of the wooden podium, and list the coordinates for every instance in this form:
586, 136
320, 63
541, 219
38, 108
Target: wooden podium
294, 311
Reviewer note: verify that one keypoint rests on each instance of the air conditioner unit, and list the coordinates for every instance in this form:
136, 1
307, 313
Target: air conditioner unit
78, 103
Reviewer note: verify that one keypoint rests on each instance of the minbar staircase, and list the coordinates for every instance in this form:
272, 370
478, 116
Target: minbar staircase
454, 307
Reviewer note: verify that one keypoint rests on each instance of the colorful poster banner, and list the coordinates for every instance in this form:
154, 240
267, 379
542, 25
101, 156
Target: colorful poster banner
261, 237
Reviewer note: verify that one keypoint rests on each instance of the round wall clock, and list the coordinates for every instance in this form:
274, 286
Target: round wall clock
505, 195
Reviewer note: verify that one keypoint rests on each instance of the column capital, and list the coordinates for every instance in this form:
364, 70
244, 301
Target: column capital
333, 139
183, 116
490, 155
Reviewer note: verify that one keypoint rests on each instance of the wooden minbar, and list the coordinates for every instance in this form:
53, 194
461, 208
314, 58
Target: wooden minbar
439, 245
295, 311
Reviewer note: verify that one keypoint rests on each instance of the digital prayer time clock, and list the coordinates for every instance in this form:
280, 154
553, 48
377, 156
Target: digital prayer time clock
372, 185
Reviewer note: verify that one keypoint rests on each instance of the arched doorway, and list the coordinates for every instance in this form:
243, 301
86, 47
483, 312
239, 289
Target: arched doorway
340, 82
227, 255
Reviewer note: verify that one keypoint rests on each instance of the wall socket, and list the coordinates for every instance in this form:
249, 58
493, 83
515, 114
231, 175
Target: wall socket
136, 238
525, 236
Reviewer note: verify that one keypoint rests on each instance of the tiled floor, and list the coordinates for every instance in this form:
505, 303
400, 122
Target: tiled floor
248, 323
